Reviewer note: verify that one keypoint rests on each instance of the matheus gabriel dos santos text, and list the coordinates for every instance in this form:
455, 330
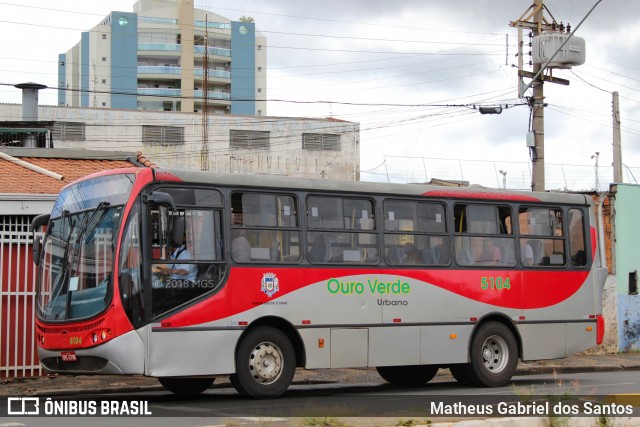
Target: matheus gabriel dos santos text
531, 408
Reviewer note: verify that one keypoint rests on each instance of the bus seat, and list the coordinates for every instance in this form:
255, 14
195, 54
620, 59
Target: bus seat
320, 249
395, 256
177, 232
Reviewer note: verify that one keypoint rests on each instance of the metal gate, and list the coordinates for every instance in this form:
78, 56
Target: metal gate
18, 354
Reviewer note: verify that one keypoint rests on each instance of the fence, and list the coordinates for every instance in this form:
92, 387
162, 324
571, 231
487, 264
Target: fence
18, 351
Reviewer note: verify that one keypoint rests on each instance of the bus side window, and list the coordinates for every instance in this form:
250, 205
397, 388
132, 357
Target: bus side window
577, 245
264, 228
543, 239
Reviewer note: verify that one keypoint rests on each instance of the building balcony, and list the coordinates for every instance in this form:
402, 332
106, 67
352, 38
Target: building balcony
213, 94
216, 74
219, 51
159, 91
159, 69
166, 47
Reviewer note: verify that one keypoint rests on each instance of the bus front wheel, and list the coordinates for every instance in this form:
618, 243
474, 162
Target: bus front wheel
265, 364
186, 386
408, 375
494, 355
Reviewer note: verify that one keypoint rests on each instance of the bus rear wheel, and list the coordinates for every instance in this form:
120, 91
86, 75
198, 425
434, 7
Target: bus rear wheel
265, 364
413, 375
461, 373
186, 386
494, 356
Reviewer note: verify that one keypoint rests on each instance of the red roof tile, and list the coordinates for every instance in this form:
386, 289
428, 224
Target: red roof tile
20, 180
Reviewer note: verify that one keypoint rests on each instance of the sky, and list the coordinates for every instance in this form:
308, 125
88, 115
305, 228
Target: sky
410, 72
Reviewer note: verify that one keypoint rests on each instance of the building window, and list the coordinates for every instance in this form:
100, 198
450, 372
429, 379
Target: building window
69, 131
104, 37
259, 47
259, 90
248, 139
259, 68
104, 104
162, 135
104, 81
321, 141
104, 59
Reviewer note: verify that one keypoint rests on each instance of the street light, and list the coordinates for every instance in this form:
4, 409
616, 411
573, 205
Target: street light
504, 179
595, 156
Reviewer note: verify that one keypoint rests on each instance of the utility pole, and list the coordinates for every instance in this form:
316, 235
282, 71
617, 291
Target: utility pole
617, 149
541, 46
534, 19
204, 151
537, 103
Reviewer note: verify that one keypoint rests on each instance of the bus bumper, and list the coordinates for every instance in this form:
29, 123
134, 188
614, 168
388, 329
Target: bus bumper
121, 355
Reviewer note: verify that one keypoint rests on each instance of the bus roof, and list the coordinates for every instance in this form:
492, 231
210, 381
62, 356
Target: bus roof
370, 188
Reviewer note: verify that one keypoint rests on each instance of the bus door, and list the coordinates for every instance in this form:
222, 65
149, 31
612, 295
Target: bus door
187, 265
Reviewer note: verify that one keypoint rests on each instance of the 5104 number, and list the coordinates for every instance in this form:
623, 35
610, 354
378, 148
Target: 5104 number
498, 283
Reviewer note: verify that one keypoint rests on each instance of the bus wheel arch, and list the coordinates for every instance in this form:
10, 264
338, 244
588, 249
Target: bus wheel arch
508, 322
285, 327
493, 352
265, 360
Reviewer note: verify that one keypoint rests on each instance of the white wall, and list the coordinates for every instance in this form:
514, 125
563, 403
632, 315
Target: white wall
121, 130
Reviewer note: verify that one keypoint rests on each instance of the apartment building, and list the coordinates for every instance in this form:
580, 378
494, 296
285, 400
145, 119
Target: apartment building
159, 57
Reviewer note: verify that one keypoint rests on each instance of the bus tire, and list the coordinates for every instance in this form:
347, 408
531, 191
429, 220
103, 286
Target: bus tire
186, 386
265, 364
413, 375
461, 373
494, 355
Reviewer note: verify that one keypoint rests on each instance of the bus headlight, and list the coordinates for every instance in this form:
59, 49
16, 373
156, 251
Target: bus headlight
94, 338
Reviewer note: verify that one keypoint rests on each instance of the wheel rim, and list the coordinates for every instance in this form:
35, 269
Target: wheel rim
265, 363
495, 353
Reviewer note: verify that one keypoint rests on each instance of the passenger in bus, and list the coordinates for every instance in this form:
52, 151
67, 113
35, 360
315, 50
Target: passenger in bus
531, 253
491, 254
412, 254
240, 247
580, 259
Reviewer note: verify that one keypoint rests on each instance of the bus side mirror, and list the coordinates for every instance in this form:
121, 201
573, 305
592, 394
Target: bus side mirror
37, 246
161, 199
37, 222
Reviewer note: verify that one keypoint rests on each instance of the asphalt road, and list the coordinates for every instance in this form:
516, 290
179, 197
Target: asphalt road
223, 406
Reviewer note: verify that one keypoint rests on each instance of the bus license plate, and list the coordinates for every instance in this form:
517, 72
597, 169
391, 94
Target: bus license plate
69, 356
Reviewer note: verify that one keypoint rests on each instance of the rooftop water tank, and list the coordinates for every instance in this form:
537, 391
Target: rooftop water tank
545, 45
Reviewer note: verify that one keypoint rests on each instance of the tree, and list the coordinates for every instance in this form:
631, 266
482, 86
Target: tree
247, 19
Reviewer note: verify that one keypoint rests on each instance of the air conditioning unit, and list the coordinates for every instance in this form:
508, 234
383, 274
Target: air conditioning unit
572, 54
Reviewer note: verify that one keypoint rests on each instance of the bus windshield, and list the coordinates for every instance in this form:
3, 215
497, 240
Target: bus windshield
79, 247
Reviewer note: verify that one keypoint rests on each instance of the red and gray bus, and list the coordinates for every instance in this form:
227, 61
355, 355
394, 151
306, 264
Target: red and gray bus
188, 276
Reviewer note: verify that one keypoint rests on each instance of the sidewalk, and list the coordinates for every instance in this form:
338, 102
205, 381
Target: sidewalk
88, 384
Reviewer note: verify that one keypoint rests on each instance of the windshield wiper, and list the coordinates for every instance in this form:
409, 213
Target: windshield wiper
83, 227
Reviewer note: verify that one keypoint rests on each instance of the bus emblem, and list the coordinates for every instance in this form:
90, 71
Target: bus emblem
270, 284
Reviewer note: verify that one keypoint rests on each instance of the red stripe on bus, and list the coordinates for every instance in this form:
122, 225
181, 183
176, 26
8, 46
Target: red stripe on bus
243, 290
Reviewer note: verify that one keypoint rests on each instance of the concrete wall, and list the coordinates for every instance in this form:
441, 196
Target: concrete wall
121, 130
627, 262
